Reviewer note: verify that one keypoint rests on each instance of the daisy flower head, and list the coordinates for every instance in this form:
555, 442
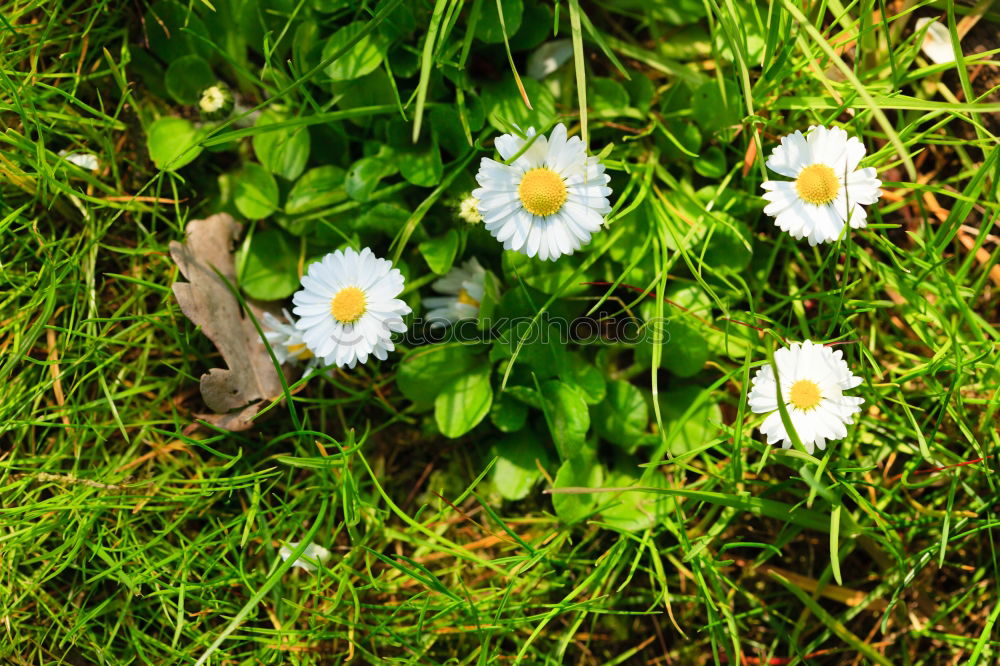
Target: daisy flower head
464, 288
828, 189
286, 340
548, 201
813, 379
468, 210
216, 102
348, 309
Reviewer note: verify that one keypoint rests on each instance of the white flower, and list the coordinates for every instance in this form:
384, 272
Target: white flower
549, 57
828, 189
813, 380
348, 308
86, 161
312, 556
468, 210
464, 287
286, 340
549, 201
937, 41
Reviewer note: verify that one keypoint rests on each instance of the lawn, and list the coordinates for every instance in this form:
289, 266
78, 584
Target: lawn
237, 427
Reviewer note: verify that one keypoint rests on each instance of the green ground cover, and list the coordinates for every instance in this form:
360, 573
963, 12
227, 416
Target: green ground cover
605, 500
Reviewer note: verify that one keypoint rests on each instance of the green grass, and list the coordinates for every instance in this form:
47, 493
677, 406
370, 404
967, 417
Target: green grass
131, 535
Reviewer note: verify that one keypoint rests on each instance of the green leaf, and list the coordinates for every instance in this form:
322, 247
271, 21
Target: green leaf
306, 46
623, 416
362, 58
525, 395
255, 191
580, 471
711, 163
447, 127
728, 249
567, 415
488, 28
365, 175
695, 426
536, 26
283, 152
385, 217
635, 510
641, 91
507, 413
270, 268
692, 43
685, 349
545, 276
320, 187
422, 167
587, 378
463, 403
374, 89
505, 107
424, 371
714, 108
607, 95
516, 470
398, 23
173, 32
172, 143
491, 295
685, 352
187, 77
439, 253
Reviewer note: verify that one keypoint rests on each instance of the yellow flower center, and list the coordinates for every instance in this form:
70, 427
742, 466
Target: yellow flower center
817, 184
542, 192
348, 305
301, 351
805, 394
463, 297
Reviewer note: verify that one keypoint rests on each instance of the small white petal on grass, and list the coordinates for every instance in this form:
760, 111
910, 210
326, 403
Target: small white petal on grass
86, 161
313, 555
936, 43
549, 57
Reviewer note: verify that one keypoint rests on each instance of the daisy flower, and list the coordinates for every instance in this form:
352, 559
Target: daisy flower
216, 102
313, 554
464, 289
286, 340
348, 309
468, 210
813, 380
549, 200
828, 189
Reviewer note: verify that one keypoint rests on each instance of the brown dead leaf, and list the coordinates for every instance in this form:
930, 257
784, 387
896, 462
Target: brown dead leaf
250, 380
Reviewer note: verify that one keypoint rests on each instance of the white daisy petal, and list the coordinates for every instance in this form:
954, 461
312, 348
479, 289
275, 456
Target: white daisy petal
463, 289
549, 201
828, 184
348, 307
813, 379
287, 341
312, 556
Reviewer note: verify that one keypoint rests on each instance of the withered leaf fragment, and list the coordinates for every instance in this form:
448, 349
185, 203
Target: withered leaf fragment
250, 380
